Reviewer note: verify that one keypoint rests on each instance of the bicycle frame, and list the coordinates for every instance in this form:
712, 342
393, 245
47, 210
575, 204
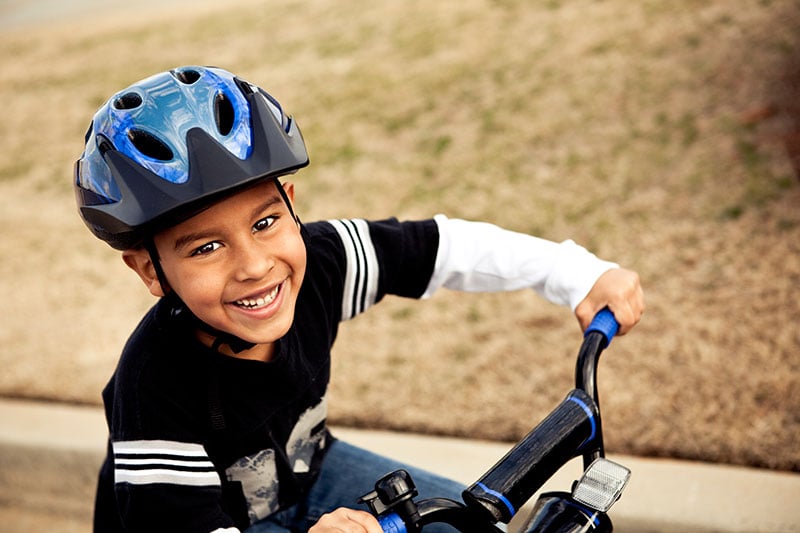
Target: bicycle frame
573, 428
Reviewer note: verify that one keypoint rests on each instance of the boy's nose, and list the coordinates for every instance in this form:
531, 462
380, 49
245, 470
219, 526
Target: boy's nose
253, 261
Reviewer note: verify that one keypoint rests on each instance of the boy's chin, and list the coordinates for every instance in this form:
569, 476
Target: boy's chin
263, 351
260, 344
263, 345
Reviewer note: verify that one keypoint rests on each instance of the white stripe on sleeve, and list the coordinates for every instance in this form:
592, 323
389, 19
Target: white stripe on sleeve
146, 462
361, 278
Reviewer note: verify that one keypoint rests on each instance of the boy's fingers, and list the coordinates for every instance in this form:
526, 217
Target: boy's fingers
620, 290
348, 521
629, 312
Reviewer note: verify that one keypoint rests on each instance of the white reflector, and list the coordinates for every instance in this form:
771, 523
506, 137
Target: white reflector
601, 485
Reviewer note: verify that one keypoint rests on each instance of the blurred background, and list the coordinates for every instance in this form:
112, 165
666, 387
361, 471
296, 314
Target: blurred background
661, 135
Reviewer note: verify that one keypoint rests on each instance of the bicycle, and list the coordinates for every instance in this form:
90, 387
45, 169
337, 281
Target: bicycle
572, 429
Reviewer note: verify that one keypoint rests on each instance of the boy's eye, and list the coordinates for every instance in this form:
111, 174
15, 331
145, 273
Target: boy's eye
205, 249
264, 223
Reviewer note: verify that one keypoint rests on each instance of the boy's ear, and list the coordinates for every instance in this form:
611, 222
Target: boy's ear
288, 188
139, 261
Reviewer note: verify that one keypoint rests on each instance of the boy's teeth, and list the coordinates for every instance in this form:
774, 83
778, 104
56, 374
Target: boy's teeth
259, 302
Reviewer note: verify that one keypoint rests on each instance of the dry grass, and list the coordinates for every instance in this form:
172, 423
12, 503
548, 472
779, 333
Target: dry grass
659, 134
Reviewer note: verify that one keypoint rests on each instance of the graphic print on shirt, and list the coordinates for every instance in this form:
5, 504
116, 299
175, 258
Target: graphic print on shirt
307, 437
258, 473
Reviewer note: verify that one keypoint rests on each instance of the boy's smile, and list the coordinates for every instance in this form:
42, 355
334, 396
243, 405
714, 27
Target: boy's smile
259, 302
238, 266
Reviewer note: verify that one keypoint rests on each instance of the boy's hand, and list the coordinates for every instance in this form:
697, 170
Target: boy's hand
347, 520
620, 291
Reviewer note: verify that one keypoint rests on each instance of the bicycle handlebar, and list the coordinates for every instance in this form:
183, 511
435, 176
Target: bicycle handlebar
505, 488
604, 322
596, 338
573, 428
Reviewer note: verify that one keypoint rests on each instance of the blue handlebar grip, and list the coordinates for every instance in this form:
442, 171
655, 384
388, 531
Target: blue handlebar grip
605, 323
392, 523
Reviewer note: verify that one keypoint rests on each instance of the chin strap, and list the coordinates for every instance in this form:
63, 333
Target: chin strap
178, 309
236, 344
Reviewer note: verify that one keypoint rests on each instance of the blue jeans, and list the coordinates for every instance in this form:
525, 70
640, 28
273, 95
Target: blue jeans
347, 473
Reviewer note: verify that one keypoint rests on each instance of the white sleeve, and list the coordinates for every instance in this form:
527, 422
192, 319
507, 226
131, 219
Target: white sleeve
482, 257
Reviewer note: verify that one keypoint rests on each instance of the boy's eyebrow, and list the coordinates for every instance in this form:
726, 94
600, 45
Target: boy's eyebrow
184, 240
271, 201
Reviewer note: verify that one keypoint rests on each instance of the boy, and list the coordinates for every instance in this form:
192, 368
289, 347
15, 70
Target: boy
217, 409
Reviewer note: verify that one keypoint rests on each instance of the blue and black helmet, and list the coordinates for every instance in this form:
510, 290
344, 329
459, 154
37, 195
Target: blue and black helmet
168, 146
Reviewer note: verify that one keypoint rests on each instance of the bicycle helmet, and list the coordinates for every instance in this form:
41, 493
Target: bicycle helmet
170, 145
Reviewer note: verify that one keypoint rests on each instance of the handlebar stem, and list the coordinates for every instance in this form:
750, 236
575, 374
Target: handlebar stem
586, 380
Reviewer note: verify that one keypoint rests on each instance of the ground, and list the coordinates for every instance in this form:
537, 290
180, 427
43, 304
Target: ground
663, 136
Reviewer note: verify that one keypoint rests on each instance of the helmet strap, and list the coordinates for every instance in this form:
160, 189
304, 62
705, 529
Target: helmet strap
286, 200
150, 246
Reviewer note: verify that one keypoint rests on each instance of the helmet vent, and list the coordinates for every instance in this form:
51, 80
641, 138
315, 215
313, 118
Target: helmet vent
223, 113
150, 145
128, 101
186, 76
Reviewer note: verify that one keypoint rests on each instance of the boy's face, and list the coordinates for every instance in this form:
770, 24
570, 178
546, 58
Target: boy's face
237, 265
